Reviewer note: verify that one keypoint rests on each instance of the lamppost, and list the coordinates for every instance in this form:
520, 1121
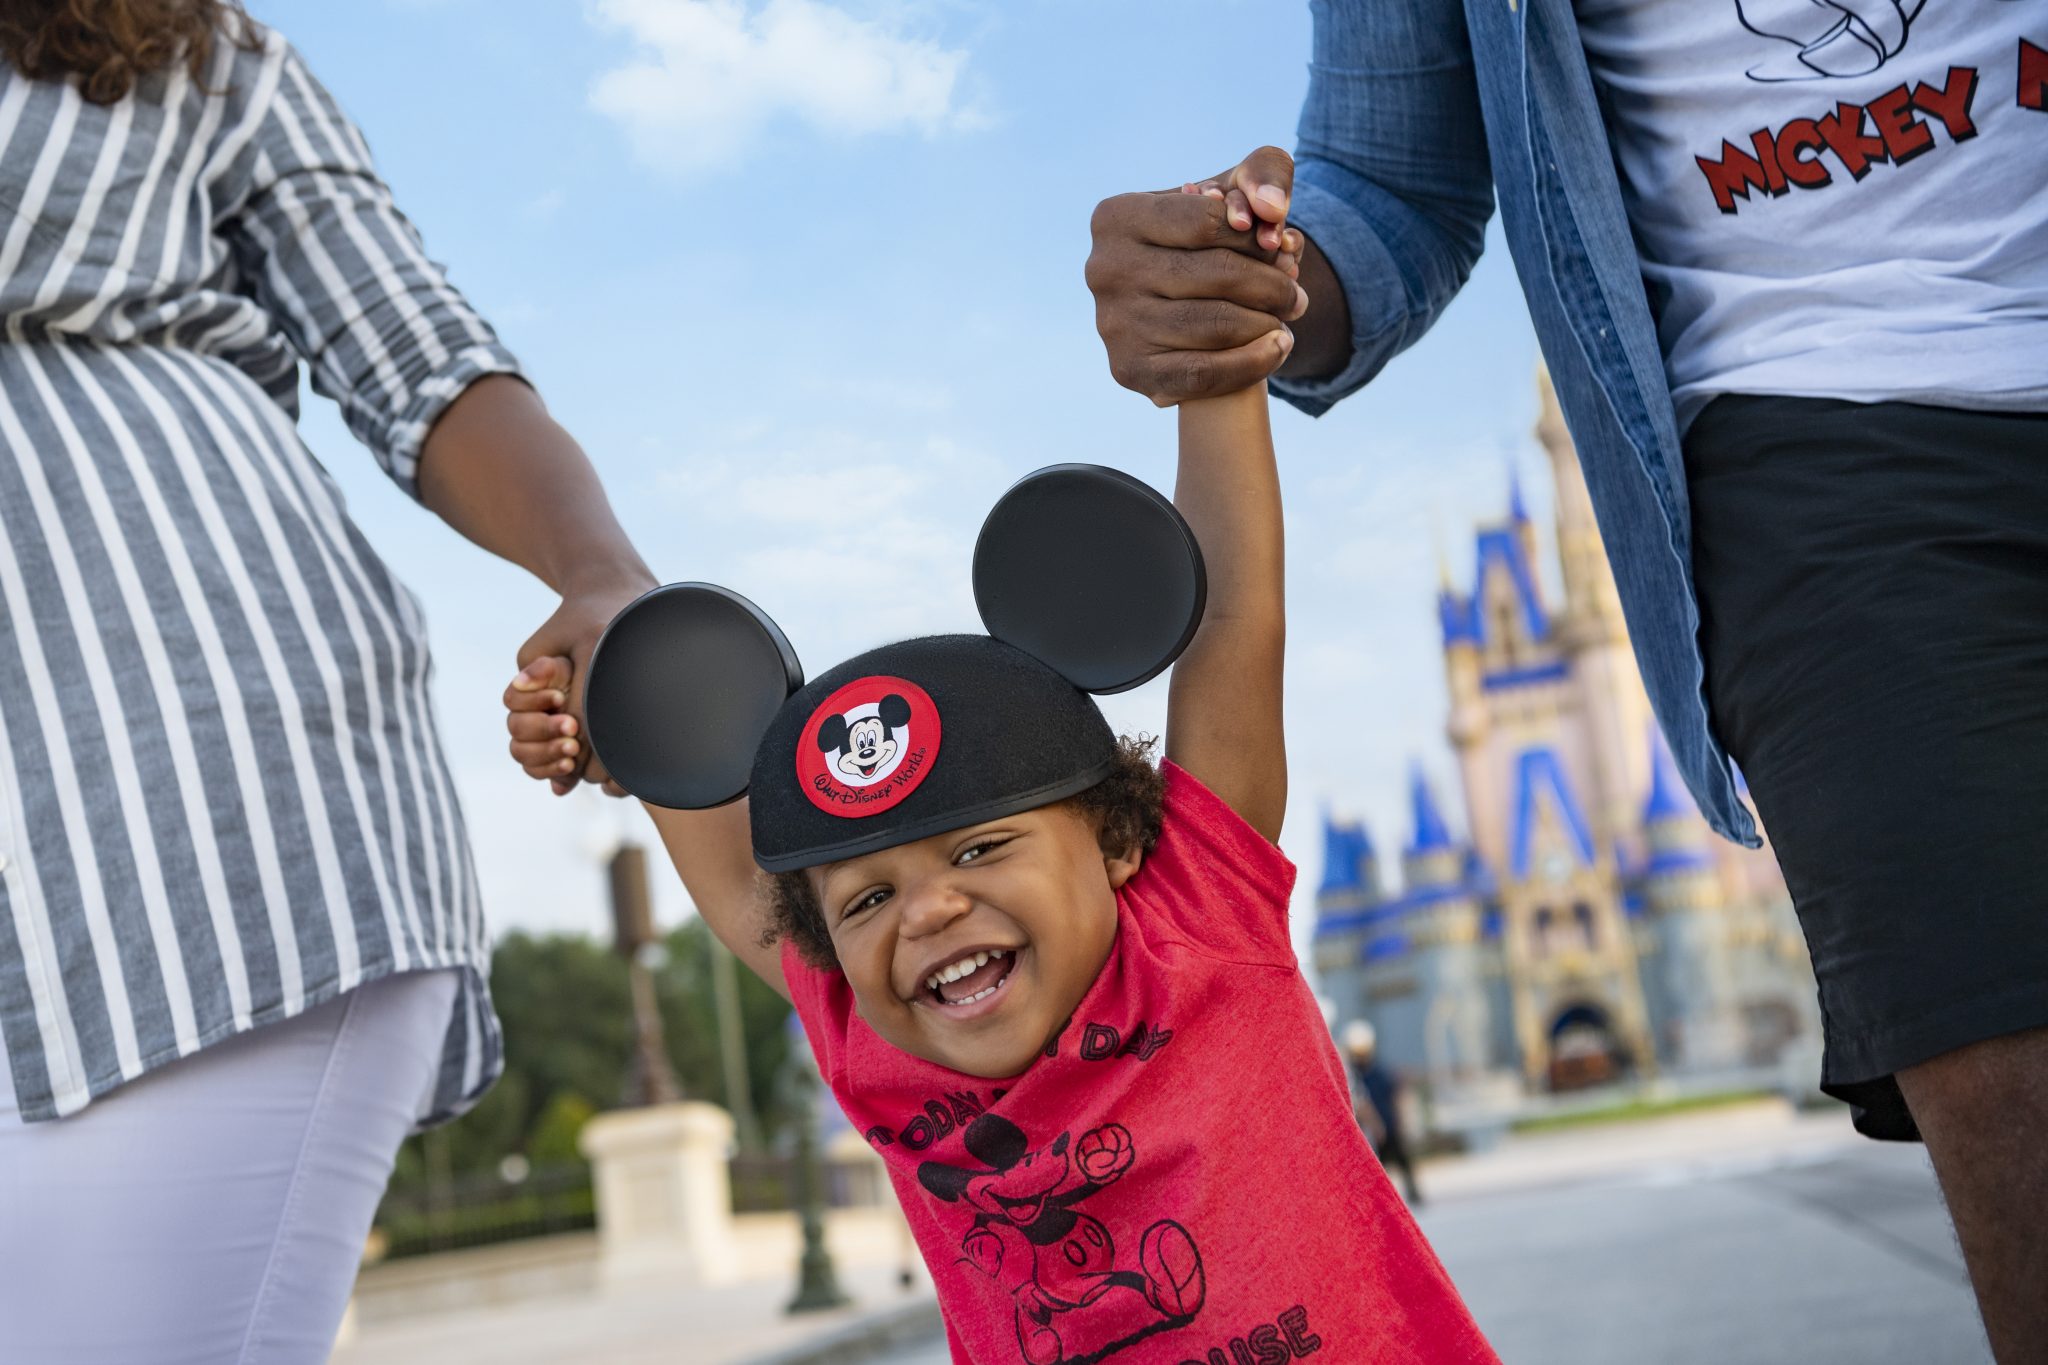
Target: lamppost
732, 1047
649, 1077
817, 1283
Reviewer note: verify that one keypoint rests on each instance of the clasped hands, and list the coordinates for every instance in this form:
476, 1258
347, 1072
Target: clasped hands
1195, 288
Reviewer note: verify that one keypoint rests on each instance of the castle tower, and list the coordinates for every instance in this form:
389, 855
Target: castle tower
1469, 724
1347, 903
1505, 674
1351, 866
1441, 925
1516, 948
1431, 860
1608, 692
1518, 518
1699, 1016
1577, 1002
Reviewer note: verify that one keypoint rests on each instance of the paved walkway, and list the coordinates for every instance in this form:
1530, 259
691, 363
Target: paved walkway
1839, 1256
730, 1325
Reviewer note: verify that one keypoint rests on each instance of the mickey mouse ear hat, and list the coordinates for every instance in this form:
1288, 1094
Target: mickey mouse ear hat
682, 684
1088, 581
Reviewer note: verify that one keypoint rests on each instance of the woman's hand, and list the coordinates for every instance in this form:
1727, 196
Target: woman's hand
501, 471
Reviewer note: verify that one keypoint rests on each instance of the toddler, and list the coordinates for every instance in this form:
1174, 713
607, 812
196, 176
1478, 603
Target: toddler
1053, 985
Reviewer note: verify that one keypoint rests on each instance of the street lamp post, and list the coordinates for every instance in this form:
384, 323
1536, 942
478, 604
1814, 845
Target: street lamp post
649, 1077
817, 1282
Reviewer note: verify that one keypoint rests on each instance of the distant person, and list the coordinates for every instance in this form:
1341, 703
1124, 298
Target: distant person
1788, 264
241, 953
1379, 1108
1054, 988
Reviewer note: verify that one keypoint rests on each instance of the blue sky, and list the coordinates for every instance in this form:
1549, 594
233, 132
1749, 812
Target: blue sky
764, 259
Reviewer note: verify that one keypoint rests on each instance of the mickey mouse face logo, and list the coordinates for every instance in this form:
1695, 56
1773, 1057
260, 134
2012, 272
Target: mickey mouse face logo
866, 750
868, 746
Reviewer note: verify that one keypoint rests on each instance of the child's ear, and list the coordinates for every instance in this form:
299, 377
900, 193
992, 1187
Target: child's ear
1123, 866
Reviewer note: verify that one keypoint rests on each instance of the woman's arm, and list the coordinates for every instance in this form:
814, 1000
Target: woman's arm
501, 471
421, 378
713, 850
1223, 710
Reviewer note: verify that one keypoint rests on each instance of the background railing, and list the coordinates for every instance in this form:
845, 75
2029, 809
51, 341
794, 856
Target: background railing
767, 1184
474, 1211
481, 1210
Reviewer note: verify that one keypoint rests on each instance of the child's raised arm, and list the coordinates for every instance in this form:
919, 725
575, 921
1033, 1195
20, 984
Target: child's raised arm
713, 851
1223, 721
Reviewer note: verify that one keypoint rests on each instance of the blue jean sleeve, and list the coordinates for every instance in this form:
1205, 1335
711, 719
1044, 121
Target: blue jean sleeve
1392, 180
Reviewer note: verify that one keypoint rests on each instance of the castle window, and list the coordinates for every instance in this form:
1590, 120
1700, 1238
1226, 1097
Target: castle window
1504, 629
1582, 915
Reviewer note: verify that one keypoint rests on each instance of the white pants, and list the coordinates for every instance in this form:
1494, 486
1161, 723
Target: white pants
213, 1212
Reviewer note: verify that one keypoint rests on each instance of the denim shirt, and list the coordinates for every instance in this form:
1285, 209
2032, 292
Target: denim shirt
1418, 113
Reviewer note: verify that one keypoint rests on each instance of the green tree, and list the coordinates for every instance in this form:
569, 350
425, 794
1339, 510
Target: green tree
553, 1139
689, 1013
566, 1007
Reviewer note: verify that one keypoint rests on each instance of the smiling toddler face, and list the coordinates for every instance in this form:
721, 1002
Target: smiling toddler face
972, 948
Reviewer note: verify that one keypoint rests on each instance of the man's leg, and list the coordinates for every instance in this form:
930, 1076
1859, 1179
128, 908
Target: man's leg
1983, 1111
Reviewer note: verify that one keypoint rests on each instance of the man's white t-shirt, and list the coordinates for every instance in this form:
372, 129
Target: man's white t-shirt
1836, 198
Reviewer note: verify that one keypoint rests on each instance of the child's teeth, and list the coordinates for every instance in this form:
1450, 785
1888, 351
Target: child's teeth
966, 966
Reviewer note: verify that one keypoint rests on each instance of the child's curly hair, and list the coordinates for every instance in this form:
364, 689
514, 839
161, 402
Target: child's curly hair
1126, 808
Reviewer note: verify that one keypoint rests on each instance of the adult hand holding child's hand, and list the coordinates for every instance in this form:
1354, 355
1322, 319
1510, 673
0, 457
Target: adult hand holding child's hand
1194, 286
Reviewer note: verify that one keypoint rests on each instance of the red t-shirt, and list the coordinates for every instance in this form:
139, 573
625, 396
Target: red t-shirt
1179, 1180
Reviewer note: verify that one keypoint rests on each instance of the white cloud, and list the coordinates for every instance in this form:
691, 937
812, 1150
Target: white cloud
710, 75
847, 539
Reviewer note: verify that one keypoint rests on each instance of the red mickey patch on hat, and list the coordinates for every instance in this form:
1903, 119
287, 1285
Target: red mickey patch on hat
867, 746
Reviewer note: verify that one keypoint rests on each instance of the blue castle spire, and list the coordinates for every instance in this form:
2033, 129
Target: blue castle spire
1347, 856
1669, 800
1431, 833
1518, 510
1677, 844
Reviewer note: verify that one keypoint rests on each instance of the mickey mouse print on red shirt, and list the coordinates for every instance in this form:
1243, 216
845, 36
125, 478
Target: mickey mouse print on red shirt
1178, 1179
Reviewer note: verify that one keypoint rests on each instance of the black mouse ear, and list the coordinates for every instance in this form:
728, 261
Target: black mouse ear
947, 1182
682, 686
996, 1142
1092, 572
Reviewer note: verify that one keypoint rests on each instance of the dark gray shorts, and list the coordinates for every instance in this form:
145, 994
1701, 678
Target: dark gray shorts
1873, 585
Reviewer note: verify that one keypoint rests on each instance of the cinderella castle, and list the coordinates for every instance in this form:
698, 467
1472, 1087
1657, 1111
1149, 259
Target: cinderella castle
1585, 926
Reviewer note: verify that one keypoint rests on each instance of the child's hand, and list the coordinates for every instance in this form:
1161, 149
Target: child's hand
545, 741
1237, 210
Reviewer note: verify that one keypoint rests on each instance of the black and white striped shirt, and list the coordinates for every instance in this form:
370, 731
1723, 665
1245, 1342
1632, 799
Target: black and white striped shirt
222, 798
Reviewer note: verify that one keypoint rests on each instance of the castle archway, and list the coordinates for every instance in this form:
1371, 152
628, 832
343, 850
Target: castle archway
1584, 1049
